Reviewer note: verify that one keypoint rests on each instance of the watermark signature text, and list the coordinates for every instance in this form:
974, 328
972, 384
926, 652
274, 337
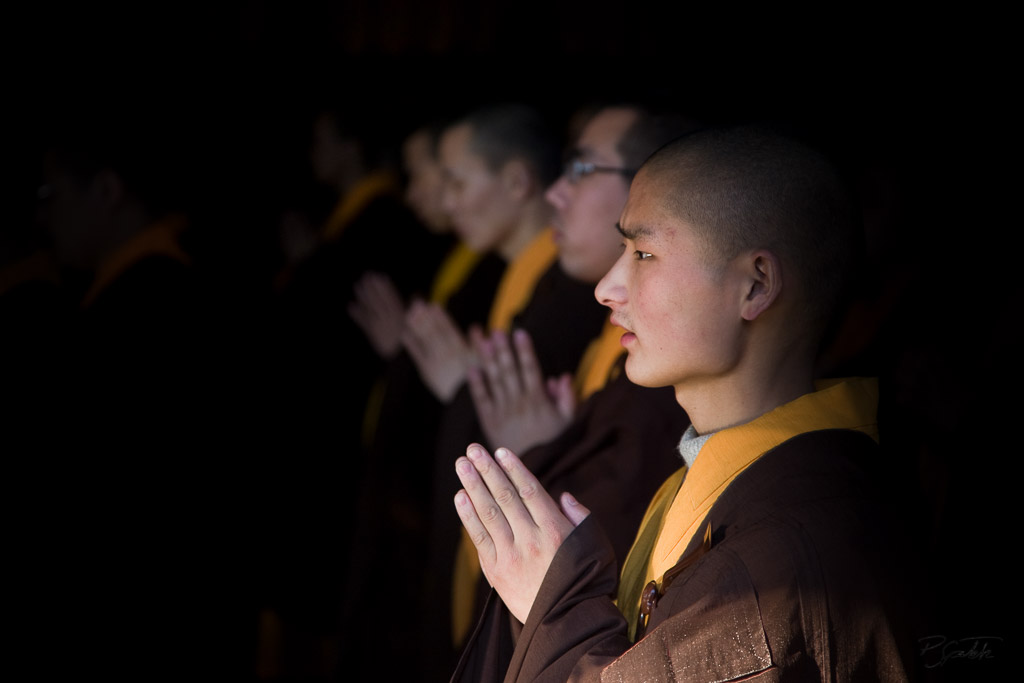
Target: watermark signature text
939, 650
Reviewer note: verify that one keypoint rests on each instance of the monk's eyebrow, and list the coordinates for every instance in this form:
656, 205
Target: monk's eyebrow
633, 234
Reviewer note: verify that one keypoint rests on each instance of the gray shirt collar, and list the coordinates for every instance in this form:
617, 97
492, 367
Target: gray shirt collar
690, 444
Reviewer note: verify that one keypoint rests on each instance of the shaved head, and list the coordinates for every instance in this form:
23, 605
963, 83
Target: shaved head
748, 187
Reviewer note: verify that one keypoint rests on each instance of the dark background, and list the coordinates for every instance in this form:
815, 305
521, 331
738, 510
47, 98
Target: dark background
923, 99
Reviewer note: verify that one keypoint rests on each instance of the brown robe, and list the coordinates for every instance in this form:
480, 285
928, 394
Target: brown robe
804, 579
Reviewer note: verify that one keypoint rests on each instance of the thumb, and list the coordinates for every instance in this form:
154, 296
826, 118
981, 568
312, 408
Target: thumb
563, 396
572, 509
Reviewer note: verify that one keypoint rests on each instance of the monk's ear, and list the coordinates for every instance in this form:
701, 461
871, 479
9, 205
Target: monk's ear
763, 272
516, 177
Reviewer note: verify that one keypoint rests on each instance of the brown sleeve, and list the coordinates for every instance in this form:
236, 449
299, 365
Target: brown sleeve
572, 617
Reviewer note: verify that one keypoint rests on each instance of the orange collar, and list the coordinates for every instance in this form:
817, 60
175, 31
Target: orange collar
519, 279
850, 404
452, 274
374, 185
598, 361
159, 238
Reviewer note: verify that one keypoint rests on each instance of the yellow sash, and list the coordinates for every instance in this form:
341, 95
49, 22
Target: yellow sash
598, 362
520, 278
837, 404
452, 274
159, 238
633, 577
355, 200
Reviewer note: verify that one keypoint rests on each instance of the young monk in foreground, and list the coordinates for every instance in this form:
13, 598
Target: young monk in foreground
770, 554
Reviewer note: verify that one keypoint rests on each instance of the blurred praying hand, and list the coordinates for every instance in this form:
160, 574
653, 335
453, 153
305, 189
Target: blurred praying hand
517, 408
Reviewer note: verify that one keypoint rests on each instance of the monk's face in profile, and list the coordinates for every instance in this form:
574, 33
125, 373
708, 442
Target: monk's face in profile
680, 308
590, 195
425, 181
478, 199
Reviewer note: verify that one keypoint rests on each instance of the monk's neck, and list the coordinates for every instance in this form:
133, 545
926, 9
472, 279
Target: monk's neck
744, 396
532, 221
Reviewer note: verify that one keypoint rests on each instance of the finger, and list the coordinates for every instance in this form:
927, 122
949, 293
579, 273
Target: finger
486, 359
478, 391
475, 529
358, 313
474, 336
420, 324
445, 328
382, 295
370, 308
410, 327
573, 509
367, 286
385, 313
503, 490
382, 283
562, 395
509, 371
427, 326
367, 308
414, 317
534, 499
488, 489
477, 340
529, 368
368, 293
411, 343
422, 317
391, 304
367, 323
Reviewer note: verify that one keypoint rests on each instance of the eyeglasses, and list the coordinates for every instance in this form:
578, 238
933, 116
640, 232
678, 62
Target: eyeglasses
575, 170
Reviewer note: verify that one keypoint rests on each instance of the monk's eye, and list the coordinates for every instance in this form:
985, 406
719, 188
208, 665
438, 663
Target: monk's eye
642, 255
